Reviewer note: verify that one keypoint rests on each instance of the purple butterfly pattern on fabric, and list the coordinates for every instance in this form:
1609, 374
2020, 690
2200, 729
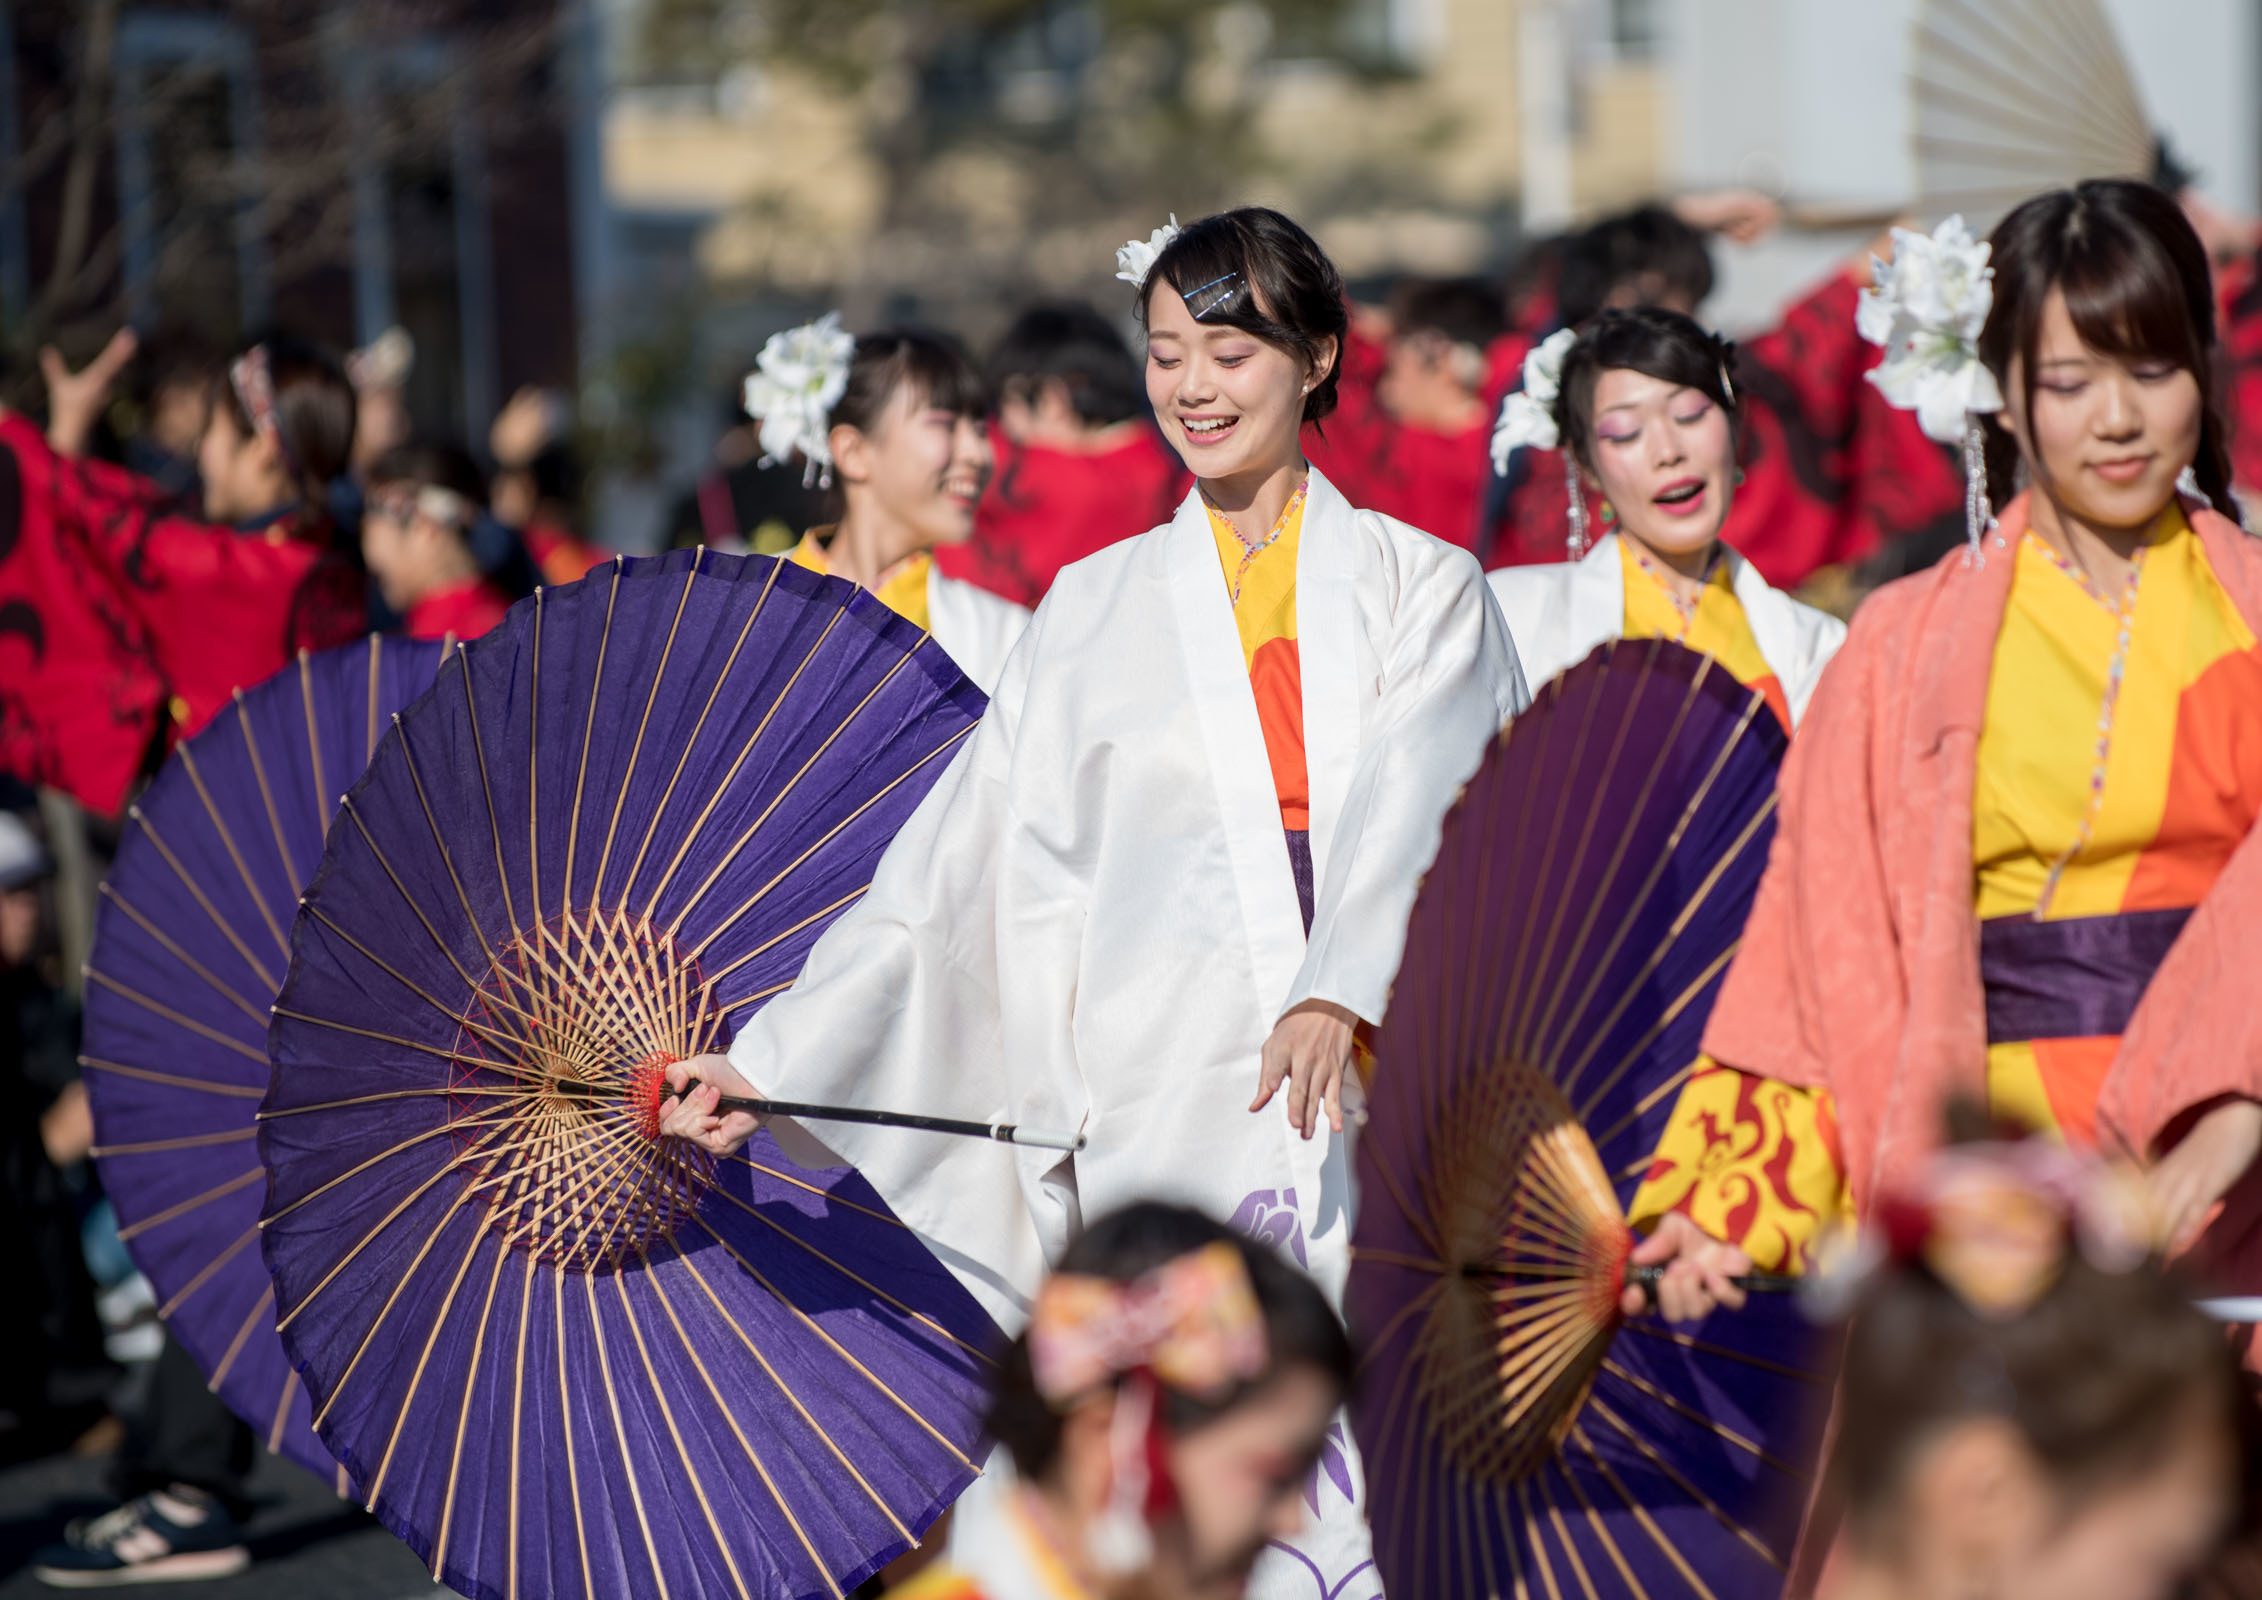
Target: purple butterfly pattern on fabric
1362, 1582
1269, 1216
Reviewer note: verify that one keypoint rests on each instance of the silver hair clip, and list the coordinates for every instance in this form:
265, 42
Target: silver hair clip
1216, 295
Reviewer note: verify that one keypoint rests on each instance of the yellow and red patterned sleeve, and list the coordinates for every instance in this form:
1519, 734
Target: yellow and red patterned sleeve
1750, 1160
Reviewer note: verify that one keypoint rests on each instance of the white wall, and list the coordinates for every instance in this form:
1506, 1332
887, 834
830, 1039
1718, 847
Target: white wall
1809, 98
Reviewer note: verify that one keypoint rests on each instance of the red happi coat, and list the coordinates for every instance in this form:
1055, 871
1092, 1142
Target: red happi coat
1044, 509
1832, 473
123, 625
1427, 479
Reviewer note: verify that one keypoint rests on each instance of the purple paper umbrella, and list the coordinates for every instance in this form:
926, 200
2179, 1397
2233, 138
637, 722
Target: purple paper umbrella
1521, 1437
560, 1355
189, 951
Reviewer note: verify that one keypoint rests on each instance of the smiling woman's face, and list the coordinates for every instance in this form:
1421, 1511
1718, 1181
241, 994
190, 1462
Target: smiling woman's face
2106, 437
1230, 403
1665, 459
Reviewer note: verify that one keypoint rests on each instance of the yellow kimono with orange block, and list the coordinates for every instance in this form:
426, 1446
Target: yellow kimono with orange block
1715, 626
2119, 766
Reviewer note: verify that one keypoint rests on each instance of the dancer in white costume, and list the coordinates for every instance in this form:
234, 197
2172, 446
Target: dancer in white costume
894, 419
1174, 863
1645, 406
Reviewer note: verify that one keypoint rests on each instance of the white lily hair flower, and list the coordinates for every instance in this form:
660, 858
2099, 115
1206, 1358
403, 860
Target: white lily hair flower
797, 380
1927, 307
1136, 257
1527, 417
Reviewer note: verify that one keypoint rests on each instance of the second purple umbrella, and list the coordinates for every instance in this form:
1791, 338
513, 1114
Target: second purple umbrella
562, 1356
189, 949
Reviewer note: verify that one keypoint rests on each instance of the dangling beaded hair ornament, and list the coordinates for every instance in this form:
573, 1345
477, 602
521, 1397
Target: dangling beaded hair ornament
797, 380
1926, 307
1192, 1325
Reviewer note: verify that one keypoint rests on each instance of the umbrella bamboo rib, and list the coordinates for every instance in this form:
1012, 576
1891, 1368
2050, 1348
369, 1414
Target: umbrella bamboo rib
201, 1030
322, 790
463, 1410
518, 1422
858, 1279
620, 1436
257, 1017
260, 1308
191, 1141
291, 874
267, 980
234, 1091
830, 1342
1717, 1429
416, 1377
242, 1180
187, 758
206, 1274
787, 1393
698, 727
565, 1428
282, 1413
707, 984
487, 792
1606, 1538
675, 1434
588, 732
1691, 1342
1649, 1453
643, 726
1641, 1515
723, 784
383, 1155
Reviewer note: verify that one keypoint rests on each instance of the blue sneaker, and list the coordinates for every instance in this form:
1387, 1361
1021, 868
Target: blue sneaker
172, 1536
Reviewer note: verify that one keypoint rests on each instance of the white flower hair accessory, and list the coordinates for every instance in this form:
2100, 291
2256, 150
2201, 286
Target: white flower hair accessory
1926, 308
1136, 257
1527, 417
797, 380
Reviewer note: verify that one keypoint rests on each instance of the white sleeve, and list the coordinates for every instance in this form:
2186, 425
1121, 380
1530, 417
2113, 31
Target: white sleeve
897, 1009
1450, 682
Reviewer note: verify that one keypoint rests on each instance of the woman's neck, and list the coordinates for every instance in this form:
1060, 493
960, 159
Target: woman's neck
2098, 551
869, 542
1684, 571
1253, 501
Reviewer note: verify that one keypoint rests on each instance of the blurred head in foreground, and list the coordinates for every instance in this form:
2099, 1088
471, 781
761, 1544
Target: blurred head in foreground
2030, 1407
1170, 1395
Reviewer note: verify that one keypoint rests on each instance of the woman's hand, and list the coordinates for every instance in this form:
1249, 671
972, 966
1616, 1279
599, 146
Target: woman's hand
75, 399
1700, 1272
2189, 1180
1308, 1050
689, 1109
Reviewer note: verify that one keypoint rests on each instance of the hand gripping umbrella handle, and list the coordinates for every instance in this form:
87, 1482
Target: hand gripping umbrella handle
1750, 1282
1003, 1132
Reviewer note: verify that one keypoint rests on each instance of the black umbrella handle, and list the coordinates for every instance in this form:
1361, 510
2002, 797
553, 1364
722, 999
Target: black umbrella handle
1750, 1282
1003, 1132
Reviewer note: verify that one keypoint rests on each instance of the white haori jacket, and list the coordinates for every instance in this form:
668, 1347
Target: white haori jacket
1091, 922
1559, 613
976, 628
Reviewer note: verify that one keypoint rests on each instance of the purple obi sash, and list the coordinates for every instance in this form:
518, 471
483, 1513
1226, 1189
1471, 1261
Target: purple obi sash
2072, 978
1300, 863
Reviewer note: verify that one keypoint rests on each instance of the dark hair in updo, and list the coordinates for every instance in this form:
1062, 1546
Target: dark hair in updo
887, 360
1284, 269
2137, 286
1301, 1328
1650, 340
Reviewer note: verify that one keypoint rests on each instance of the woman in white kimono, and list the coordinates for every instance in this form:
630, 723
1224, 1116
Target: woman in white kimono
1646, 401
1174, 863
895, 420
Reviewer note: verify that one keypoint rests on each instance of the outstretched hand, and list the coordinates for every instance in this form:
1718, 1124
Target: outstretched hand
1308, 1050
2191, 1180
691, 1108
1700, 1272
75, 399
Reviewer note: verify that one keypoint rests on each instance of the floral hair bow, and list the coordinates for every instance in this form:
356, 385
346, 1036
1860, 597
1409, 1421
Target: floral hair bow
1996, 1222
1135, 258
797, 380
1192, 1322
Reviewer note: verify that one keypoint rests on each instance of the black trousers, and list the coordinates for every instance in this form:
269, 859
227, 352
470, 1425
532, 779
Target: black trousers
186, 1435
